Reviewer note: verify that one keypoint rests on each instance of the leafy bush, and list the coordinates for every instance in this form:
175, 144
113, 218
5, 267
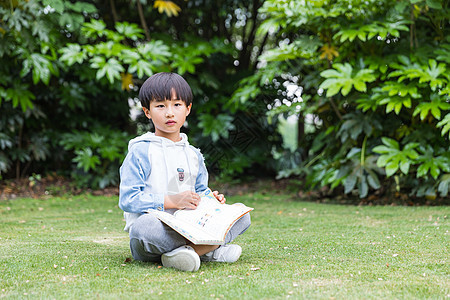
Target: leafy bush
378, 85
65, 85
97, 156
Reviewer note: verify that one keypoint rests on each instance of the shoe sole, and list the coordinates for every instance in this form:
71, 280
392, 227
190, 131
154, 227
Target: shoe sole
184, 260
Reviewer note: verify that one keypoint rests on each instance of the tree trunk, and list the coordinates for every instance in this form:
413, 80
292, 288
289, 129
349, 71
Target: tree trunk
301, 133
19, 147
142, 18
114, 11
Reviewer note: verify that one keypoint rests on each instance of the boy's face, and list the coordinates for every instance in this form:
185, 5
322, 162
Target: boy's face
168, 116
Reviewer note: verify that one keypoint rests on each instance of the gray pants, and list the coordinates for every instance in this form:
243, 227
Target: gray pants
150, 238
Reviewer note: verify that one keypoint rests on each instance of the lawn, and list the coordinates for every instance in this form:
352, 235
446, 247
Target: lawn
74, 247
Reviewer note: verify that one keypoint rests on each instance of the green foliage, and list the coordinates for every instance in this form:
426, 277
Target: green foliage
445, 124
434, 107
356, 124
431, 164
109, 57
69, 72
97, 156
360, 173
341, 78
17, 148
41, 67
369, 31
19, 95
384, 74
114, 57
216, 126
29, 38
444, 185
358, 74
393, 158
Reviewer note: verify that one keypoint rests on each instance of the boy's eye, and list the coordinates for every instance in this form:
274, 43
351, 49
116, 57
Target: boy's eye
160, 106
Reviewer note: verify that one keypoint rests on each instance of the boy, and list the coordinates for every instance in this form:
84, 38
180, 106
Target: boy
162, 171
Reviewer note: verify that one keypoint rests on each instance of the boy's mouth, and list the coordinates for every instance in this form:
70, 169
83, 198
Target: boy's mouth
170, 122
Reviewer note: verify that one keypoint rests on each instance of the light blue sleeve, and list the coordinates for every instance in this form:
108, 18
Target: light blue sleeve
134, 172
201, 182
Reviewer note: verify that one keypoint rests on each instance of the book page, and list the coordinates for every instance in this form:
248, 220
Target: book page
193, 233
211, 216
206, 225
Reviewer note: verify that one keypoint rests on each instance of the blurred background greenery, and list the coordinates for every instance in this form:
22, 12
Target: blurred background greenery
344, 96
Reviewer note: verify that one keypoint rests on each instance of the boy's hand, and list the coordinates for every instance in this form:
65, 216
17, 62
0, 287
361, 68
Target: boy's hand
220, 197
183, 200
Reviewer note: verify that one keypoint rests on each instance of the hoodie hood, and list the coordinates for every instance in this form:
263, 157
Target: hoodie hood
151, 137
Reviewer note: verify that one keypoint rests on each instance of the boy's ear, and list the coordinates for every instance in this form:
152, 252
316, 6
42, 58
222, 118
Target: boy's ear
147, 112
188, 109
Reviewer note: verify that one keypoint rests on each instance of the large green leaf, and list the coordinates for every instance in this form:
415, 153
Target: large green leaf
444, 185
216, 126
395, 103
342, 78
40, 66
397, 88
155, 50
393, 158
434, 107
436, 4
185, 63
131, 31
20, 95
111, 68
94, 29
72, 53
445, 124
368, 31
434, 73
432, 164
57, 5
86, 159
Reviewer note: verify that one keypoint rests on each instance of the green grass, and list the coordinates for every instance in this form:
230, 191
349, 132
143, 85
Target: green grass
74, 247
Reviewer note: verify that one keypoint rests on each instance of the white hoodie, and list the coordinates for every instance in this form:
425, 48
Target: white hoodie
155, 167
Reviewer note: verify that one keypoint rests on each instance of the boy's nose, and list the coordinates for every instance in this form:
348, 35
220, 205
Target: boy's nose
169, 113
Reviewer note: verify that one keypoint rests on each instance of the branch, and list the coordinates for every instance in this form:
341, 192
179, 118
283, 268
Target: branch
263, 43
142, 18
411, 29
114, 11
301, 132
228, 32
19, 146
245, 54
336, 110
244, 33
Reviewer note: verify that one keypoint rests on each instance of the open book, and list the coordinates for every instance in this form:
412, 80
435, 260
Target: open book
206, 225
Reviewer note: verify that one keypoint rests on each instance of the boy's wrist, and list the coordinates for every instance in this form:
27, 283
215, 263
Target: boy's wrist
168, 202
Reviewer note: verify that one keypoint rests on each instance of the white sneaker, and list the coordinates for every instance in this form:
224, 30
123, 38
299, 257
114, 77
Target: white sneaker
225, 253
183, 258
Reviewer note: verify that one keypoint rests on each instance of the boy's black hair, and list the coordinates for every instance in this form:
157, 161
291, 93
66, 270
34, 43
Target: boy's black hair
158, 87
